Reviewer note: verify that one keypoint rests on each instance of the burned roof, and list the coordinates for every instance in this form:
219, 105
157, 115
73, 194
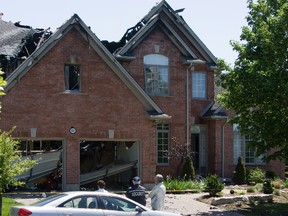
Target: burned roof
17, 42
12, 38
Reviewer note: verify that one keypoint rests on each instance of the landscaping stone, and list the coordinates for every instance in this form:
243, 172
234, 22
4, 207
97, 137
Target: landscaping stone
244, 198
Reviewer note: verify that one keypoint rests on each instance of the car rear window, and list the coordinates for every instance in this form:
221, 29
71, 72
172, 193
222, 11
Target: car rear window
48, 199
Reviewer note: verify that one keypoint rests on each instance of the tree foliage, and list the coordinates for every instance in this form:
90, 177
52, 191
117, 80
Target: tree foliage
11, 162
256, 87
184, 155
188, 172
240, 172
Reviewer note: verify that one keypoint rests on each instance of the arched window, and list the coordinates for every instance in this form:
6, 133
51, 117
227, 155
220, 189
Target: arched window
156, 69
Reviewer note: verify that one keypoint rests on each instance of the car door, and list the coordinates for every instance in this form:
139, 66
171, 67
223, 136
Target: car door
80, 205
116, 206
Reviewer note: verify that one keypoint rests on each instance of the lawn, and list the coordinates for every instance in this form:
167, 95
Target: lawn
7, 203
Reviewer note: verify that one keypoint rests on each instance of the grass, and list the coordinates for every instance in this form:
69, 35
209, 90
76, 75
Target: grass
271, 209
7, 203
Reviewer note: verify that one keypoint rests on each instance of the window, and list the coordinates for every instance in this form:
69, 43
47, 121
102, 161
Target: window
81, 202
243, 149
117, 204
199, 87
162, 143
156, 74
72, 78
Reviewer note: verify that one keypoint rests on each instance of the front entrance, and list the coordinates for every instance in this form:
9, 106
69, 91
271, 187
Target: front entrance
195, 152
199, 149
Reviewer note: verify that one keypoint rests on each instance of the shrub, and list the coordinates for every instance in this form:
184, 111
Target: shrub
256, 175
251, 190
277, 192
277, 184
181, 184
240, 172
188, 172
259, 187
267, 187
213, 185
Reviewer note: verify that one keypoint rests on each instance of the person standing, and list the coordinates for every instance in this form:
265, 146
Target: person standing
101, 186
136, 192
157, 193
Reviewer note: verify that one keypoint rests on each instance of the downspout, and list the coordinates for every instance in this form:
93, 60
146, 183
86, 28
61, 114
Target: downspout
187, 107
223, 149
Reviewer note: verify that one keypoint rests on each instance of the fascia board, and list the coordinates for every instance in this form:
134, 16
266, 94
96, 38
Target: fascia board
190, 34
179, 39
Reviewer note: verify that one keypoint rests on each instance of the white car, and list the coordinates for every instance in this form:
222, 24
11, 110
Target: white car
86, 203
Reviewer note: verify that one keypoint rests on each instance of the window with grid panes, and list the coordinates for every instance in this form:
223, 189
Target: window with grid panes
162, 143
199, 85
156, 69
243, 149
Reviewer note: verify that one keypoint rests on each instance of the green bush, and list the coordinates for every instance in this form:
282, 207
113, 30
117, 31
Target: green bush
251, 190
256, 175
267, 187
240, 172
188, 172
213, 185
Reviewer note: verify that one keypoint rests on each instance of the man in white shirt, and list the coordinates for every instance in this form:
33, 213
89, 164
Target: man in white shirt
157, 193
101, 186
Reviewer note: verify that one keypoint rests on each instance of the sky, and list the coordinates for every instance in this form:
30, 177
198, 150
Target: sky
214, 22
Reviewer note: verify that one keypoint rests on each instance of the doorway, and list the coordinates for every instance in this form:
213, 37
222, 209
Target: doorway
195, 152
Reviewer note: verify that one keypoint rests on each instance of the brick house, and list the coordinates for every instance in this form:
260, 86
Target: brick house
114, 110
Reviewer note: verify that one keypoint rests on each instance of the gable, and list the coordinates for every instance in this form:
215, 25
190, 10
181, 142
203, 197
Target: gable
164, 17
76, 23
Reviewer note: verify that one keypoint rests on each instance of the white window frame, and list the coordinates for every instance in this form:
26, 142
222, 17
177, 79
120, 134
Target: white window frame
241, 149
199, 85
163, 142
156, 69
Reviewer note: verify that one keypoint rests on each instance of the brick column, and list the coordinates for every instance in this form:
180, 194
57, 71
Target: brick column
72, 163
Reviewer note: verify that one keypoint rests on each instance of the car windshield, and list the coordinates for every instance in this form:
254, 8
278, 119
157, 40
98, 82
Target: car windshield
48, 200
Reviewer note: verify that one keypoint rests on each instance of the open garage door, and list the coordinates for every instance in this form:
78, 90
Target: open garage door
47, 173
112, 160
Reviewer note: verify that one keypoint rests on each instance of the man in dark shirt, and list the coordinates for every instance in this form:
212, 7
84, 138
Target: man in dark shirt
137, 192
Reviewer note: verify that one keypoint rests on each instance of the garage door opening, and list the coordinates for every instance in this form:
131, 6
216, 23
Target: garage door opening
114, 161
46, 175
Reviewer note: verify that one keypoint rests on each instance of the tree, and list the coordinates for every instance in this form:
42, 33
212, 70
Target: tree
184, 155
240, 172
188, 172
11, 164
256, 87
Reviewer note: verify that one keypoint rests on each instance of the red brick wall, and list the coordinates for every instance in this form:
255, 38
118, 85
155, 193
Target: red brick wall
38, 101
175, 103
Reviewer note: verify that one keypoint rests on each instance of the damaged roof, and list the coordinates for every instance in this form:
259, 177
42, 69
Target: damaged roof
174, 26
76, 22
12, 38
